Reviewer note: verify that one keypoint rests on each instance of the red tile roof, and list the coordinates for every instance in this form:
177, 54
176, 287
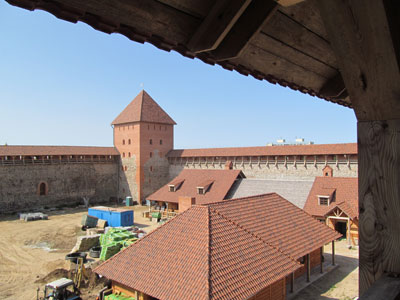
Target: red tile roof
143, 109
345, 197
200, 254
56, 150
222, 182
277, 221
323, 149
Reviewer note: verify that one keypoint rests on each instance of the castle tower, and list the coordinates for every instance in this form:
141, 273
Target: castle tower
143, 135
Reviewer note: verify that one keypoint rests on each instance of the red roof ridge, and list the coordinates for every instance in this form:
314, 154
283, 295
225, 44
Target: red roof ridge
253, 234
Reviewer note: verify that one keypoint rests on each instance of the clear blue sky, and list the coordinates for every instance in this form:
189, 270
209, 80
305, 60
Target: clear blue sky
63, 83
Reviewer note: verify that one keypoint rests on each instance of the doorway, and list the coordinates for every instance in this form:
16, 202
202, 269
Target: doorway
341, 227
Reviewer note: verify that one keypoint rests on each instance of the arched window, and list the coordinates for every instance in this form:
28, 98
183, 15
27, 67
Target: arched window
129, 154
129, 141
126, 168
123, 154
42, 189
160, 142
123, 142
151, 142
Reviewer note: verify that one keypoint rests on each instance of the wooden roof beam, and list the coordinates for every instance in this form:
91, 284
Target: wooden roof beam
217, 24
247, 26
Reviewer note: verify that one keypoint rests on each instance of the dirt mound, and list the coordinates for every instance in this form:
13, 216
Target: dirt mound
54, 275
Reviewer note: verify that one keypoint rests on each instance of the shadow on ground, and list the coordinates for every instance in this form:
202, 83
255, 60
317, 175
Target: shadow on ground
332, 285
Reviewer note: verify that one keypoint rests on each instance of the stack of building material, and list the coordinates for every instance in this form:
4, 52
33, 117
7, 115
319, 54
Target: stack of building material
85, 243
33, 216
115, 239
89, 221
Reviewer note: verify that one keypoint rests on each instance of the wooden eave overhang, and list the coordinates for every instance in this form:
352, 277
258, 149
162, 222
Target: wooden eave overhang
282, 45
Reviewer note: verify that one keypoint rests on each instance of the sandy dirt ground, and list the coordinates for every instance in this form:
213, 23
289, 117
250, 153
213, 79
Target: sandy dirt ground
31, 250
339, 284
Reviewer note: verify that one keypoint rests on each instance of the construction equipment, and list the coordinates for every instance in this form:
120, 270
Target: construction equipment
61, 289
80, 271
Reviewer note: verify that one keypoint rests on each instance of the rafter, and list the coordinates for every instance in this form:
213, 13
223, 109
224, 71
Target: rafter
217, 24
247, 26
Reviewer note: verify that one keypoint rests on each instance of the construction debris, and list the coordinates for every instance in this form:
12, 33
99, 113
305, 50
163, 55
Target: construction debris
33, 216
89, 221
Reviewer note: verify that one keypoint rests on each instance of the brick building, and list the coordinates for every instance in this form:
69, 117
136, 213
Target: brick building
334, 200
235, 249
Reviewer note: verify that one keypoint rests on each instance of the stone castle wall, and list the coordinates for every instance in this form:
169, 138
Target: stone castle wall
280, 171
66, 185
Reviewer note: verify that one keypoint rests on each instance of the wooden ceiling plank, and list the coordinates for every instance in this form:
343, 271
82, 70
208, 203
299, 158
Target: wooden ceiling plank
262, 61
198, 9
293, 55
289, 32
307, 15
147, 16
217, 24
249, 24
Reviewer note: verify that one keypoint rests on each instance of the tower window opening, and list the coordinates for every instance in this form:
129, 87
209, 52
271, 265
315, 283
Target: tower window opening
123, 142
123, 154
151, 142
129, 141
160, 142
129, 154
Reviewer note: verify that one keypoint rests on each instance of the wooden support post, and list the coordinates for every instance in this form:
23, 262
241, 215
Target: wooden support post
292, 282
308, 267
333, 253
366, 47
321, 253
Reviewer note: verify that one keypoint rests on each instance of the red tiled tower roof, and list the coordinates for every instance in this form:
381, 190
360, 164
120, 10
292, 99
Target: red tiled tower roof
200, 254
345, 198
143, 109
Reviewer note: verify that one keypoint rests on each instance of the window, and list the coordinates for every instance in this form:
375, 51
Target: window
123, 154
151, 142
160, 127
323, 200
160, 142
151, 168
129, 154
129, 141
126, 168
123, 142
151, 154
200, 191
43, 189
148, 127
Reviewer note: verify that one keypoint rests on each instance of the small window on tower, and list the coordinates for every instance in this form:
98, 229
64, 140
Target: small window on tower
151, 168
160, 142
123, 142
126, 168
129, 141
160, 127
123, 154
129, 154
151, 142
